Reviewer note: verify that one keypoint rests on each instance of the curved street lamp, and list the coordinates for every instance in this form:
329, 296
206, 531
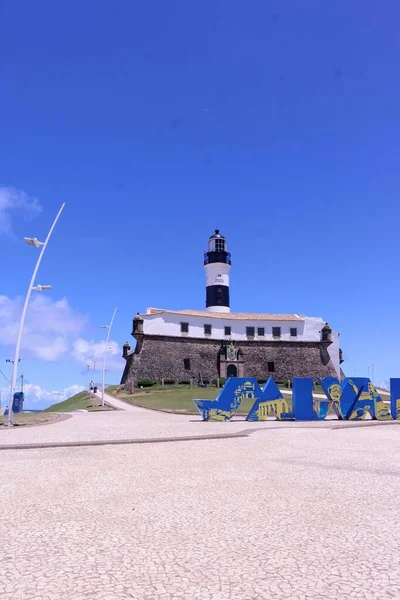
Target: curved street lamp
43, 245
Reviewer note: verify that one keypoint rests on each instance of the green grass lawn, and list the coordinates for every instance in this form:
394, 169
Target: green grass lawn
83, 400
27, 418
179, 399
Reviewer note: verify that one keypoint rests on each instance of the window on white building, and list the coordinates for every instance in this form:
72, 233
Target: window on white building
184, 327
276, 332
250, 331
293, 331
260, 331
228, 331
207, 329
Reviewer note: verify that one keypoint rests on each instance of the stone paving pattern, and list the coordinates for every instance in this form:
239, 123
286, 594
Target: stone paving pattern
287, 513
132, 422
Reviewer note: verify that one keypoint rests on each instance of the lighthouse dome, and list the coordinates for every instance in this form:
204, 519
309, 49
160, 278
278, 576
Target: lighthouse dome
217, 242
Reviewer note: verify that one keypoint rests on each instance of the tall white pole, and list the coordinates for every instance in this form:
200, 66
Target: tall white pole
105, 353
22, 321
87, 376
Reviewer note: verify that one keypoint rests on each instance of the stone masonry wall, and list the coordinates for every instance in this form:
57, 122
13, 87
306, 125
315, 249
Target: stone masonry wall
158, 357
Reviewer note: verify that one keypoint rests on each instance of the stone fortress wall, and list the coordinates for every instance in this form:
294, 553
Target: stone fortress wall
157, 357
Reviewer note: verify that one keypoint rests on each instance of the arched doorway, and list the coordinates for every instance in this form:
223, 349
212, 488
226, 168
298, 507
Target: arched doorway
231, 371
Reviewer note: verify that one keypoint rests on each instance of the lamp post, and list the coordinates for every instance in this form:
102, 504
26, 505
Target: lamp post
87, 375
43, 245
94, 372
108, 327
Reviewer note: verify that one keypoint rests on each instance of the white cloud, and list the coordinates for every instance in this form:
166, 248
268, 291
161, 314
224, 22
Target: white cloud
34, 393
50, 326
86, 352
13, 201
37, 397
53, 350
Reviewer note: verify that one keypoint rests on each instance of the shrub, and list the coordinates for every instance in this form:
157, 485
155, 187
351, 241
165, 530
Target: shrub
222, 381
169, 381
262, 380
184, 382
145, 383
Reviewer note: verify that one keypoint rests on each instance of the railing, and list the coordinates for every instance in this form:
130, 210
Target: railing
214, 257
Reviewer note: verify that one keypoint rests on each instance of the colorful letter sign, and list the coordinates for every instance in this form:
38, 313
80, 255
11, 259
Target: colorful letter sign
270, 403
395, 398
353, 399
229, 399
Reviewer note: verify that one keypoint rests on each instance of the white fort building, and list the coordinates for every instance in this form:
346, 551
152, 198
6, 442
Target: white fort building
180, 344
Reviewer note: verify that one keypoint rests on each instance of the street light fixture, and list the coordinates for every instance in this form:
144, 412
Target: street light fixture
34, 242
107, 347
41, 288
43, 245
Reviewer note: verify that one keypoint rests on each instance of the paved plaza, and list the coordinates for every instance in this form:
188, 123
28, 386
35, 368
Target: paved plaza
290, 511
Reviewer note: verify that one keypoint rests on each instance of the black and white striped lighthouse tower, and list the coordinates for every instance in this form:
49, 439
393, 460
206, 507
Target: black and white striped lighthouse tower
217, 263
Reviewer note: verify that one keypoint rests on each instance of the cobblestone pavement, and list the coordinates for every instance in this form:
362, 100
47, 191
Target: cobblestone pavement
138, 423
135, 423
293, 514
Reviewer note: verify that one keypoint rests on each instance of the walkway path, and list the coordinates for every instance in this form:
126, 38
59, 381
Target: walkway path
132, 423
287, 513
119, 404
128, 423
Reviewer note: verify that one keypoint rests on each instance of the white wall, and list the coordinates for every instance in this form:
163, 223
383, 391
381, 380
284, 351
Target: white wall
308, 329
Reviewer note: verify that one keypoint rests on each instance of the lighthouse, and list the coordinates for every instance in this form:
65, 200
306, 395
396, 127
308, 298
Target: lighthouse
217, 343
217, 263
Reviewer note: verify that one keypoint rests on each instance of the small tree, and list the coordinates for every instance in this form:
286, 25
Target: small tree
146, 382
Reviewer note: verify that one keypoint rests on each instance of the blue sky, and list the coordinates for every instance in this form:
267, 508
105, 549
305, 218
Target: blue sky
157, 121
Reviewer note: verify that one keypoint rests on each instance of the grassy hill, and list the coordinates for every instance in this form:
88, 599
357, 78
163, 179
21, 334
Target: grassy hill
83, 400
179, 399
